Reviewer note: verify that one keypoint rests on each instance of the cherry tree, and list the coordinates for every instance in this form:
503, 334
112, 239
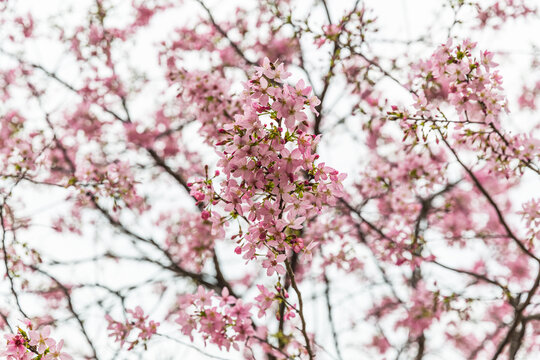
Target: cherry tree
275, 179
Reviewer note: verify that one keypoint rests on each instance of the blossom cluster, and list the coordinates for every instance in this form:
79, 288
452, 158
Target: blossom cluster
206, 95
530, 213
468, 83
189, 239
35, 344
137, 321
221, 319
498, 12
273, 180
472, 85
